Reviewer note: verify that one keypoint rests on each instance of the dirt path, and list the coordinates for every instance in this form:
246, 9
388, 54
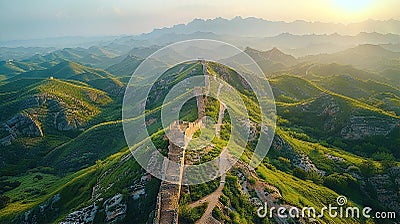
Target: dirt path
212, 200
221, 113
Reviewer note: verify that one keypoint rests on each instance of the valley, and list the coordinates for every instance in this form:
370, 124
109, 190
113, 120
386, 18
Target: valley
64, 156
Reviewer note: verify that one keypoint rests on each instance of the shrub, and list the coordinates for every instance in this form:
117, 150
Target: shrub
191, 215
300, 173
341, 182
252, 181
368, 168
4, 200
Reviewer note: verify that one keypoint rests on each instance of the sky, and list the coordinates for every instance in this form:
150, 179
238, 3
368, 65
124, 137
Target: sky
31, 19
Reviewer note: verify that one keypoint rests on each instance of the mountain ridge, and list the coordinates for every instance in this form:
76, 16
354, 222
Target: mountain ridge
270, 28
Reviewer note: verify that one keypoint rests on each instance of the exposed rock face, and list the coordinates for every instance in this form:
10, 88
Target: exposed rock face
139, 186
305, 163
36, 215
330, 110
338, 117
281, 145
49, 110
53, 109
326, 108
21, 125
115, 208
334, 158
84, 215
363, 126
387, 188
299, 160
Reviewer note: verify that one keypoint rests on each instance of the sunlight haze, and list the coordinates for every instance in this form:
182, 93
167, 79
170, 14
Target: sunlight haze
47, 18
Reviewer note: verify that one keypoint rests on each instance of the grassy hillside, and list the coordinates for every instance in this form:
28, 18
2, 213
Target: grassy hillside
337, 134
365, 56
84, 99
126, 67
11, 68
292, 89
74, 71
376, 94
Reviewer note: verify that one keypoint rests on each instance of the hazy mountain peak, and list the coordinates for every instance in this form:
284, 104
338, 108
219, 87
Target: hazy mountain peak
274, 55
258, 27
371, 49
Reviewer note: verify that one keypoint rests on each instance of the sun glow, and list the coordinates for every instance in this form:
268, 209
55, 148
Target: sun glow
353, 6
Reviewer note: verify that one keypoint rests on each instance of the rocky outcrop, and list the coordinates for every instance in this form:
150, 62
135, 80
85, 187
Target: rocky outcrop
341, 117
115, 208
83, 215
305, 163
334, 158
45, 109
36, 215
363, 126
328, 112
58, 113
21, 125
298, 160
282, 147
387, 188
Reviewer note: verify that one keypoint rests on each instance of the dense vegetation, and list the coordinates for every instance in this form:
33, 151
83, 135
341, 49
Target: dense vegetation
337, 134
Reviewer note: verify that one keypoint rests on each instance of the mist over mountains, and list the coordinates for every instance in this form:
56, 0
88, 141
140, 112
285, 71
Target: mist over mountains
64, 156
299, 38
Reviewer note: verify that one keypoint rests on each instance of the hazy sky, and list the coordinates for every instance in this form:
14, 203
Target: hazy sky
27, 19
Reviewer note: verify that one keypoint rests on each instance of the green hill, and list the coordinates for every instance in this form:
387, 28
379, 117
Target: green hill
366, 56
94, 56
126, 67
74, 71
274, 55
11, 68
79, 98
315, 71
67, 160
291, 89
374, 93
272, 60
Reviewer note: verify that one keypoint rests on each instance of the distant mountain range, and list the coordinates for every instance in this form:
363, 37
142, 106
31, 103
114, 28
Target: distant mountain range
298, 38
64, 157
256, 27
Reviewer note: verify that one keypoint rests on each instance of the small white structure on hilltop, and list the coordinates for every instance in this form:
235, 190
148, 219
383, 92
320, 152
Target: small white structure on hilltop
51, 77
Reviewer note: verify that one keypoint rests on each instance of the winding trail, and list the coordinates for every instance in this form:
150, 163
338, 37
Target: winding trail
213, 198
168, 197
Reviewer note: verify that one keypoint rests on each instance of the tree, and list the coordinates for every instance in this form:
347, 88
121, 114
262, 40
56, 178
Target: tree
300, 173
315, 177
99, 164
368, 168
386, 159
38, 177
4, 200
341, 182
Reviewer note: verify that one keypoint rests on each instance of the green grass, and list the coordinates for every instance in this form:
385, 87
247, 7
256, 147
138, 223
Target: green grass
31, 186
301, 193
308, 148
356, 102
15, 208
292, 89
190, 216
